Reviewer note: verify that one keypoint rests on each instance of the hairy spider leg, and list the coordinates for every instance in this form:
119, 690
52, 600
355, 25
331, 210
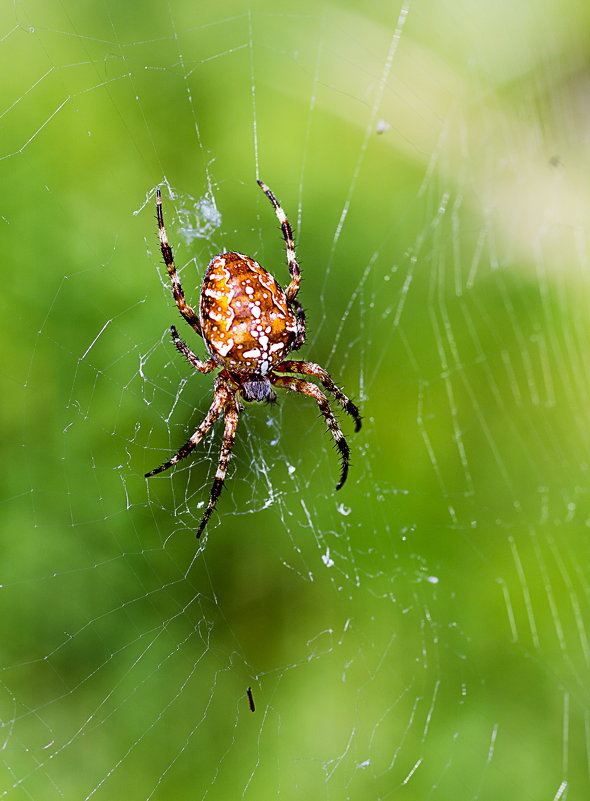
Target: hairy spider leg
231, 423
221, 399
310, 368
187, 311
294, 271
300, 317
307, 388
198, 364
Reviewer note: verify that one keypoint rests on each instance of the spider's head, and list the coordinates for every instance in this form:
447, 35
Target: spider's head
258, 388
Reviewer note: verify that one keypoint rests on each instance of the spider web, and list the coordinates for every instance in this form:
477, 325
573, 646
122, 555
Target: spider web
423, 632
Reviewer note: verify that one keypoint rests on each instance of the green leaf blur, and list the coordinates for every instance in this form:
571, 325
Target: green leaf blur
423, 632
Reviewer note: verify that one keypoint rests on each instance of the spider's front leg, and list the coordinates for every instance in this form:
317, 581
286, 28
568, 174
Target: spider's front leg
231, 423
307, 388
220, 400
310, 368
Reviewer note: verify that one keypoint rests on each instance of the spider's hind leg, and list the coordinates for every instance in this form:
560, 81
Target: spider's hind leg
294, 271
183, 307
300, 317
198, 364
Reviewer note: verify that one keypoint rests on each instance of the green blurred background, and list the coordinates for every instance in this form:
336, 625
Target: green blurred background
424, 632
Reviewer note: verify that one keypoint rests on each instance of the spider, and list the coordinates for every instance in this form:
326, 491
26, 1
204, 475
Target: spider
249, 324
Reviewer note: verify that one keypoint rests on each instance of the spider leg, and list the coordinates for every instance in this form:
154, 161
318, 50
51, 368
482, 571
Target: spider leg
220, 400
300, 316
231, 423
187, 311
307, 388
201, 366
294, 271
310, 368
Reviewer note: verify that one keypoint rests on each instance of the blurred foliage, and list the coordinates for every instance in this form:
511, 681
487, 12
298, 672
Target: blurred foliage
434, 164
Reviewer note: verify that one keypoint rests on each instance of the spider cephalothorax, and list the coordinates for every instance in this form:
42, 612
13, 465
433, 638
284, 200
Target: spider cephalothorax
258, 388
249, 325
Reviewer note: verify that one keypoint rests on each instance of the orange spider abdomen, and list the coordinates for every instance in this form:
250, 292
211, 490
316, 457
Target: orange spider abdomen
246, 322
